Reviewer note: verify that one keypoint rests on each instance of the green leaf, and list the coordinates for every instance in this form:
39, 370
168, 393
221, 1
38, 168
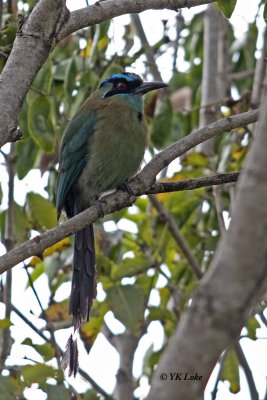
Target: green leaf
227, 7
22, 224
38, 270
162, 123
90, 330
230, 371
5, 323
160, 314
57, 392
42, 211
11, 388
252, 326
196, 160
44, 78
27, 153
37, 373
127, 304
70, 77
90, 395
130, 267
40, 123
46, 350
23, 121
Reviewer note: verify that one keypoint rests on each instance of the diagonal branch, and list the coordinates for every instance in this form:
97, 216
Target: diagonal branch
249, 376
104, 10
118, 200
113, 202
177, 235
152, 66
31, 48
9, 243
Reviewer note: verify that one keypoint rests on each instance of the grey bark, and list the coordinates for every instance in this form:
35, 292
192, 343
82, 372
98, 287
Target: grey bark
235, 282
126, 345
260, 71
30, 50
104, 10
213, 86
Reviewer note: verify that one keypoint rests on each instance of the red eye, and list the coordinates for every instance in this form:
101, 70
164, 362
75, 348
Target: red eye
121, 86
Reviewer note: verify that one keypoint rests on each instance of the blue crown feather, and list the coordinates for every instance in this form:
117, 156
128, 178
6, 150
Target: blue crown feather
128, 76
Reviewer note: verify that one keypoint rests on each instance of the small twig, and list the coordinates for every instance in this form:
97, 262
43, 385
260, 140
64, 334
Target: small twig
178, 237
239, 76
3, 55
89, 379
9, 243
49, 326
191, 184
218, 378
263, 318
244, 364
30, 324
32, 287
3, 154
179, 27
153, 68
216, 190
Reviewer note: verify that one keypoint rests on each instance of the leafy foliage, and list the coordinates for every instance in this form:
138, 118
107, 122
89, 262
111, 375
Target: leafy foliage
136, 268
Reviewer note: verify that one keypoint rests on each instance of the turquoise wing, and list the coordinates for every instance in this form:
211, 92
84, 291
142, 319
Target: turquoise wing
74, 154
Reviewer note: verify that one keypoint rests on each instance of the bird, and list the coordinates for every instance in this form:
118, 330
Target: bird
101, 149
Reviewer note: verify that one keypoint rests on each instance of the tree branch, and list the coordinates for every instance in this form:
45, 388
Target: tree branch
9, 243
244, 364
111, 203
125, 345
104, 10
118, 200
234, 283
32, 45
178, 237
152, 66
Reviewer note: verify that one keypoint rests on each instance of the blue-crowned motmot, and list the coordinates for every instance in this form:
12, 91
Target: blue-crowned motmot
102, 147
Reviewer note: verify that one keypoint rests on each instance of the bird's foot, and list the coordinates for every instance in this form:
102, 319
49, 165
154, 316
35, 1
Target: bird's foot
125, 187
98, 203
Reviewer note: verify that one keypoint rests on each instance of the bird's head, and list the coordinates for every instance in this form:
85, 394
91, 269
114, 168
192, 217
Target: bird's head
128, 83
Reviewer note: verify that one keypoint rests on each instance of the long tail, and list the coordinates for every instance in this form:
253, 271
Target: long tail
83, 289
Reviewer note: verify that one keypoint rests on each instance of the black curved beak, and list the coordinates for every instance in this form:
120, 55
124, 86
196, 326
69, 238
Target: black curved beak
148, 86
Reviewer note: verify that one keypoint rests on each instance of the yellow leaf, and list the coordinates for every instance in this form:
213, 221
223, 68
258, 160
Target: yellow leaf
58, 311
50, 250
102, 44
57, 246
87, 51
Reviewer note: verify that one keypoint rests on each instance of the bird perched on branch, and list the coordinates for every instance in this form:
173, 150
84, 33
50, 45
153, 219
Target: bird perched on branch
101, 149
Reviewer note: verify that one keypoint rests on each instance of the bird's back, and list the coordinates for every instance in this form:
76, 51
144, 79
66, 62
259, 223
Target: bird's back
117, 146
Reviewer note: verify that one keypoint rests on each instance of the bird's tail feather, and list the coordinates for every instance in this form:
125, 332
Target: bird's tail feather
83, 289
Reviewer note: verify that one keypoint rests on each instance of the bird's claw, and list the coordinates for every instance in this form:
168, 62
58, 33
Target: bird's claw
125, 187
99, 206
